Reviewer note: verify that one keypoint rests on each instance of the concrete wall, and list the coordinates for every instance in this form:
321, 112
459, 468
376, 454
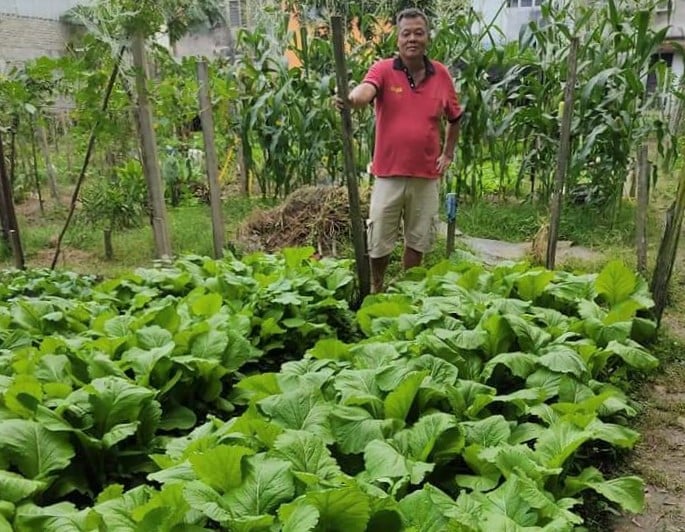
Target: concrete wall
47, 9
208, 43
24, 38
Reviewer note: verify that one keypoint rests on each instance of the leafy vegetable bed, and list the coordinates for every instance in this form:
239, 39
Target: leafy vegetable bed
246, 396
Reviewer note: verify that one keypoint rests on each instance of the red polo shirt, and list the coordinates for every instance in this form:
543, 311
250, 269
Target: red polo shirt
409, 117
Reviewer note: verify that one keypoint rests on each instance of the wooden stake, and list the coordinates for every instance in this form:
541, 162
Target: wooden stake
36, 178
8, 210
49, 168
642, 178
563, 155
148, 142
667, 250
211, 160
358, 234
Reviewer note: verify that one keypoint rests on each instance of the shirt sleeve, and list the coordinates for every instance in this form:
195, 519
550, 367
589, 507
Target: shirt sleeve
375, 76
453, 109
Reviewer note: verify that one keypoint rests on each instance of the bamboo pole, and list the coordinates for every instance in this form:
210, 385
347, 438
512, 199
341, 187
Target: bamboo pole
563, 155
211, 160
148, 142
36, 178
358, 236
8, 209
668, 249
642, 177
49, 168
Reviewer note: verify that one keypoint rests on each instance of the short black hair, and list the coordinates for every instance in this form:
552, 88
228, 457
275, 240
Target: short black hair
412, 12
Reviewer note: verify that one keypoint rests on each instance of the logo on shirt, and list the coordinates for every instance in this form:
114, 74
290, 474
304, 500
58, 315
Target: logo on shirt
397, 89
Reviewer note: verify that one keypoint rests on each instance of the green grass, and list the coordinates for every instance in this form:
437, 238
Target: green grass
519, 222
190, 227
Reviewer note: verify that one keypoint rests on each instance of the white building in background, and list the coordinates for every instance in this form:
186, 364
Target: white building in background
35, 28
511, 16
32, 28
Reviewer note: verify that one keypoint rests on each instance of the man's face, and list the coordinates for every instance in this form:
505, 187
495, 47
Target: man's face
412, 37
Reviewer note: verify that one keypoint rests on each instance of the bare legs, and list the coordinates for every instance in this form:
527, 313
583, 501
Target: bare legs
411, 259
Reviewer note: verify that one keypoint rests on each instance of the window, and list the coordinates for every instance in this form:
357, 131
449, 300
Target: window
236, 13
523, 3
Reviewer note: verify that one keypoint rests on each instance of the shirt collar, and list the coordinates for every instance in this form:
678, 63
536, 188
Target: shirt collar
398, 64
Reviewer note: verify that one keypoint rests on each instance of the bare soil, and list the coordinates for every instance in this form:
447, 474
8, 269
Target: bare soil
660, 455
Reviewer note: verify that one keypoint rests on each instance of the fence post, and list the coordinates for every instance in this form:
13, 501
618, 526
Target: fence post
563, 155
211, 161
358, 234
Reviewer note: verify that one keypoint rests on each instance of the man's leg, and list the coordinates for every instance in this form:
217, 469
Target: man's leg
421, 206
378, 267
411, 258
387, 198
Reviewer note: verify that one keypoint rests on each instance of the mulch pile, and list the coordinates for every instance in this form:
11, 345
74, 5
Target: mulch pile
315, 216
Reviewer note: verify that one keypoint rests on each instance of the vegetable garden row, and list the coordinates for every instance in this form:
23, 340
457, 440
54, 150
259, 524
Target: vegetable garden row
246, 395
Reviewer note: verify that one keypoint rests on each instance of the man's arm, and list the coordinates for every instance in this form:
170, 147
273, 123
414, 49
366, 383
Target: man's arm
363, 94
451, 138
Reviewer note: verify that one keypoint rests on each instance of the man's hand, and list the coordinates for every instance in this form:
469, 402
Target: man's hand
443, 163
339, 102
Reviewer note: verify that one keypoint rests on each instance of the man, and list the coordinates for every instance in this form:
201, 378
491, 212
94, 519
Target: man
412, 96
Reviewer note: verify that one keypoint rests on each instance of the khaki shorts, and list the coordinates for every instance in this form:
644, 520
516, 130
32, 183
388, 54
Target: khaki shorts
414, 201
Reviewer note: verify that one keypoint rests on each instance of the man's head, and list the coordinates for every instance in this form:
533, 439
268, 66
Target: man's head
412, 33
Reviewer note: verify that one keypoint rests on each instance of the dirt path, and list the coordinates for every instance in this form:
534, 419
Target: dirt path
660, 455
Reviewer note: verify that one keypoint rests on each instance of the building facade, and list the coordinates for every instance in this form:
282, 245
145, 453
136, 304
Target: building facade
31, 29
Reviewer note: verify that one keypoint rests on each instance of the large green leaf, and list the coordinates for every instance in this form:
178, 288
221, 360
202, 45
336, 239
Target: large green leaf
220, 466
520, 364
331, 348
117, 513
531, 284
633, 354
383, 461
299, 517
353, 428
487, 432
616, 282
303, 409
563, 359
34, 450
359, 388
204, 499
307, 453
530, 337
628, 492
61, 517
398, 402
267, 484
115, 401
559, 442
435, 434
24, 391
431, 510
341, 509
14, 488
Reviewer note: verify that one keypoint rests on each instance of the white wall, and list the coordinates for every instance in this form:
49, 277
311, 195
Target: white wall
48, 9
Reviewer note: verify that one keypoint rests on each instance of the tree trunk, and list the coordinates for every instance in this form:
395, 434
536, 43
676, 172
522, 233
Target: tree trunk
642, 177
148, 141
109, 249
357, 223
36, 178
9, 216
86, 160
49, 168
244, 172
667, 250
211, 162
563, 155
67, 144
